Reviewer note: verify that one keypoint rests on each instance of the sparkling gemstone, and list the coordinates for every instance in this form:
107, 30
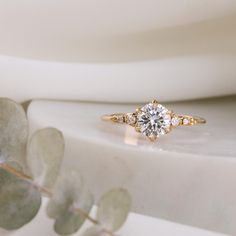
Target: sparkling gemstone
131, 119
185, 121
153, 120
175, 121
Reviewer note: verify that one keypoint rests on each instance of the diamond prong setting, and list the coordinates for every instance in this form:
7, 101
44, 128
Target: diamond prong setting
154, 101
152, 138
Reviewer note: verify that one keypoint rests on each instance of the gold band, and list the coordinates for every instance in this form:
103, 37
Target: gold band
184, 119
116, 117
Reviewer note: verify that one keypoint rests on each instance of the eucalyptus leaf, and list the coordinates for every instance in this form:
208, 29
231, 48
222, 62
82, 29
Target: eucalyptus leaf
44, 156
19, 201
14, 132
70, 193
95, 231
113, 209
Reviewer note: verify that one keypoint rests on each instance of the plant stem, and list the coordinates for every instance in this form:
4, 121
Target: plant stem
86, 216
15, 172
23, 176
45, 190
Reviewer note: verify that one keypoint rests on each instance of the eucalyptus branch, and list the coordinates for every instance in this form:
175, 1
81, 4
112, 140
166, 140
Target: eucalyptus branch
49, 193
43, 153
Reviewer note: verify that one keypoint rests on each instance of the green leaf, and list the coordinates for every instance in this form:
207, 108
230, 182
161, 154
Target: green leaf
95, 231
113, 209
69, 194
19, 201
14, 132
44, 156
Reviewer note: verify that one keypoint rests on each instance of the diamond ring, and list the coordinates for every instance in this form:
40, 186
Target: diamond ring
154, 120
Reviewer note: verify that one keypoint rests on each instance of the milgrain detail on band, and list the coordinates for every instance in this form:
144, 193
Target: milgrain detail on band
154, 120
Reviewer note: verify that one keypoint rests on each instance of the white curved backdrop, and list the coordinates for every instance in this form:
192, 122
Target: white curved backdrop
79, 30
170, 79
125, 51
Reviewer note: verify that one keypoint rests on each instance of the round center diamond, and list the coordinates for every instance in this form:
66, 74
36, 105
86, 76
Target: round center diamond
153, 120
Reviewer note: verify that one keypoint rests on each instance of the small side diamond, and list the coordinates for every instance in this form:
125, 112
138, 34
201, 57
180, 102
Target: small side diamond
175, 121
185, 121
120, 119
131, 119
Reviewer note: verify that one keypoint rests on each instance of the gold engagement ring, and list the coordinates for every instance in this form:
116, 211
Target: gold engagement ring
154, 120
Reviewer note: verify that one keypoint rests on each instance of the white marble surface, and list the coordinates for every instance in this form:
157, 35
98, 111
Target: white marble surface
136, 225
187, 177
